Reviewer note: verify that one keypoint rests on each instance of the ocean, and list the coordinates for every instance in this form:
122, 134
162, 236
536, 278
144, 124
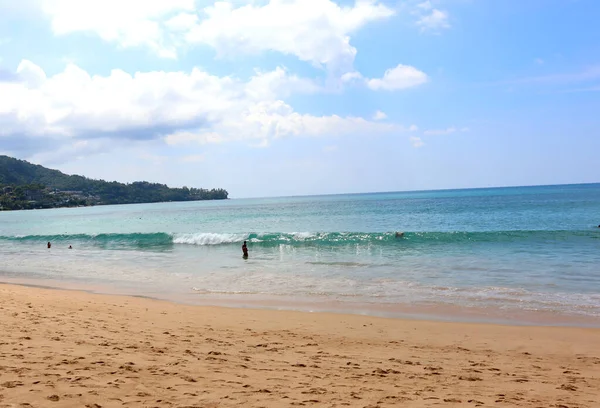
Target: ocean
519, 254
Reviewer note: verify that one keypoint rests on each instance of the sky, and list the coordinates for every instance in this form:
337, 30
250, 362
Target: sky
296, 97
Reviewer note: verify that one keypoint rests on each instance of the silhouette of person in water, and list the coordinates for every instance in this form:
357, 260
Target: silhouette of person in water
70, 247
245, 250
49, 244
399, 234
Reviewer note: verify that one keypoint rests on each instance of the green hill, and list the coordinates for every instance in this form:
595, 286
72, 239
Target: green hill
26, 185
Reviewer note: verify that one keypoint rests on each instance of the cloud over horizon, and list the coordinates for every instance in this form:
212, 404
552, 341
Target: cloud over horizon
76, 109
178, 107
318, 90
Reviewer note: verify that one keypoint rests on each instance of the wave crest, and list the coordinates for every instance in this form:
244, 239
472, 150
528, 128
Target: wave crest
164, 240
208, 238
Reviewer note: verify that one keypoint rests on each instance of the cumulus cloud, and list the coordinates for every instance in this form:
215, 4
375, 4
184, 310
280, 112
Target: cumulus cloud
182, 22
350, 77
315, 31
379, 115
430, 18
268, 120
399, 77
279, 82
177, 107
130, 23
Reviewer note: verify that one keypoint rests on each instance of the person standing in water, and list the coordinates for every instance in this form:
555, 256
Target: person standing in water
245, 250
49, 244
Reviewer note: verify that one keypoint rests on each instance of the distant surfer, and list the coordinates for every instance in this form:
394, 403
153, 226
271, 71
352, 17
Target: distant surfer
49, 244
245, 250
399, 234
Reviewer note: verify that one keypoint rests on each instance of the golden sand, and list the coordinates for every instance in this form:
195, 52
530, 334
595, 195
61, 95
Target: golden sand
75, 349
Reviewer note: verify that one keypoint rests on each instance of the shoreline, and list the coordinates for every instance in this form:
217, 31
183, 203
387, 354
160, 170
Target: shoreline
109, 204
72, 348
434, 312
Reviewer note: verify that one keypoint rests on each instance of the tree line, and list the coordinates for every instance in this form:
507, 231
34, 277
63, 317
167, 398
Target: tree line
23, 185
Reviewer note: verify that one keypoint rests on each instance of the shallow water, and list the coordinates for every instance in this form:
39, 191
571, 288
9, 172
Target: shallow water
528, 249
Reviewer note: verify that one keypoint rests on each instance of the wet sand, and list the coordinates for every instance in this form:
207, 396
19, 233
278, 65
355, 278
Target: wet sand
75, 349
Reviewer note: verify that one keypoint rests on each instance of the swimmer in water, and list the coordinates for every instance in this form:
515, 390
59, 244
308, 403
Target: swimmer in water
399, 234
245, 250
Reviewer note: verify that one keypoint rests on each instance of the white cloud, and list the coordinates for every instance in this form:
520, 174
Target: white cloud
352, 76
436, 20
430, 18
128, 23
315, 31
446, 131
179, 107
400, 77
267, 85
416, 141
268, 120
379, 115
426, 5
182, 22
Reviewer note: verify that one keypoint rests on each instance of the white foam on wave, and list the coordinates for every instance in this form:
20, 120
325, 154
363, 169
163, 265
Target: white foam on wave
303, 235
208, 238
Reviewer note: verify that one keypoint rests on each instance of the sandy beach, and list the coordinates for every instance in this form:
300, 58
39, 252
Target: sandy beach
75, 349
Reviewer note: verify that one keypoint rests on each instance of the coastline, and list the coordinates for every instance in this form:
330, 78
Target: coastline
431, 311
73, 348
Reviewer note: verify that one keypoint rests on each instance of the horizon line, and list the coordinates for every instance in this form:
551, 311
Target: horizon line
418, 190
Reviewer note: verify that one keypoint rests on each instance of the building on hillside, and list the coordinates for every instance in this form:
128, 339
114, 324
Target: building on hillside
33, 195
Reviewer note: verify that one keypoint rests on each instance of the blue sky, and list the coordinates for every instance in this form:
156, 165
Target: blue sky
292, 97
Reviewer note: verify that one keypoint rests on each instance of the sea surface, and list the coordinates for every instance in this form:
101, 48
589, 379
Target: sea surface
519, 254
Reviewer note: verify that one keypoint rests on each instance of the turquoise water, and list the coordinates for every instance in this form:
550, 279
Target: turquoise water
522, 249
